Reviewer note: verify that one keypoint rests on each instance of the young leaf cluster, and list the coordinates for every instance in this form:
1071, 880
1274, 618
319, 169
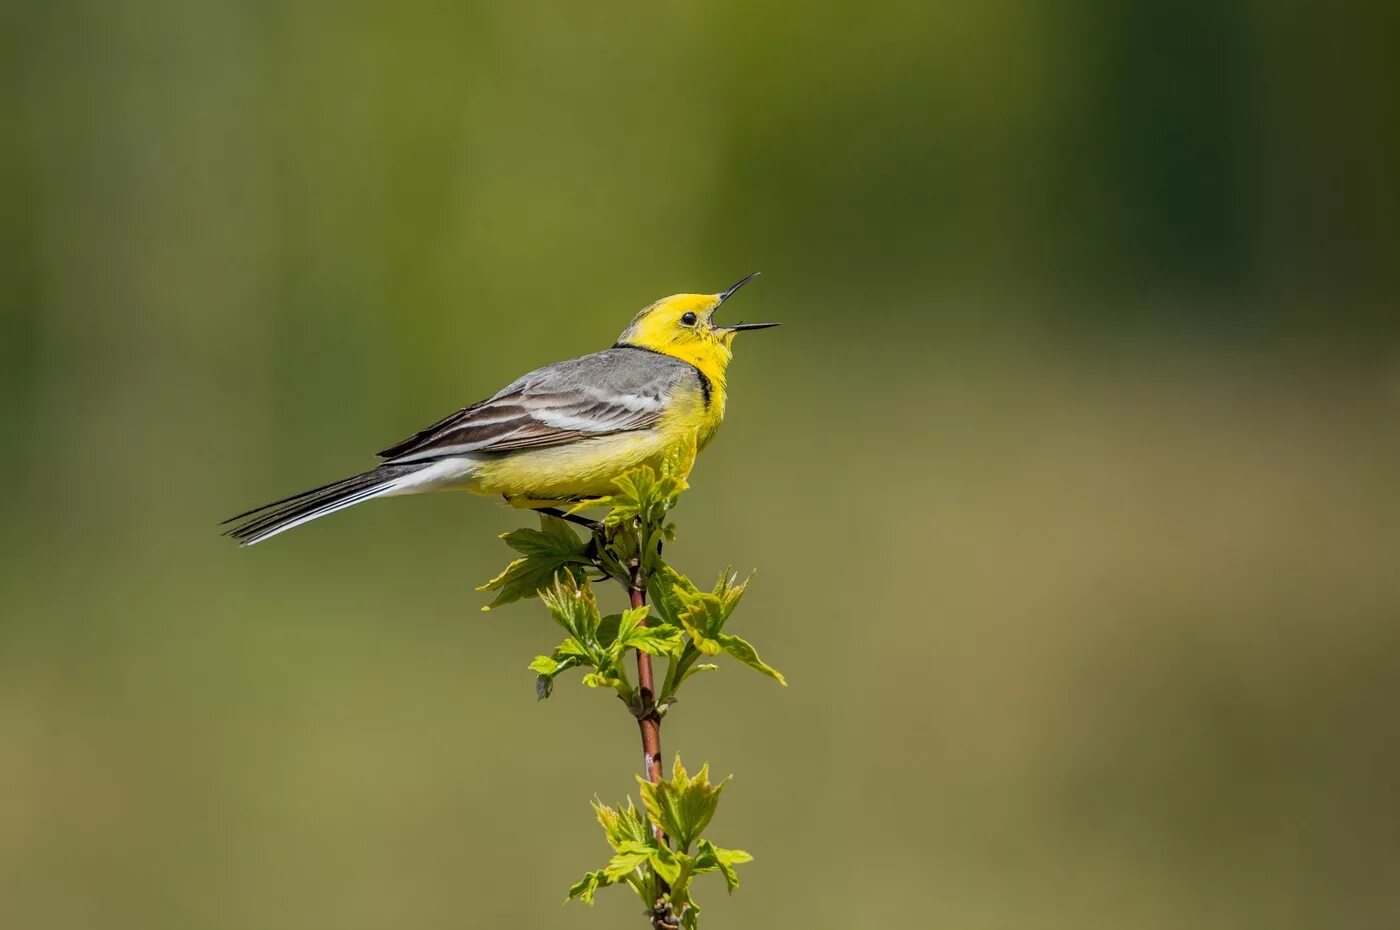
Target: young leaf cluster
687, 627
702, 615
596, 642
681, 807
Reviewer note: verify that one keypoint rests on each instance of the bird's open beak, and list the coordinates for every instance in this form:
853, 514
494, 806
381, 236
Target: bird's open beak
728, 293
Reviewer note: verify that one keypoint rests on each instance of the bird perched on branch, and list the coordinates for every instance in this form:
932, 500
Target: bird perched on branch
560, 433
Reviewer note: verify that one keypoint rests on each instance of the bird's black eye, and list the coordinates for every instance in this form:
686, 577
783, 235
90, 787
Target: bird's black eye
688, 319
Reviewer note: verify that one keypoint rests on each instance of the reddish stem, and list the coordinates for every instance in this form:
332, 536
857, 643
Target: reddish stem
650, 721
650, 725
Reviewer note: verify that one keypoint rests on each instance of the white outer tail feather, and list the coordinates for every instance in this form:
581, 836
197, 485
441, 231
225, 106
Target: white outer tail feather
439, 475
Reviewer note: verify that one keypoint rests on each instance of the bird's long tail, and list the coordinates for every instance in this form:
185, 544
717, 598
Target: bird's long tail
279, 516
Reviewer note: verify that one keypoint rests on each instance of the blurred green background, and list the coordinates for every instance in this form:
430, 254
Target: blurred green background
1071, 481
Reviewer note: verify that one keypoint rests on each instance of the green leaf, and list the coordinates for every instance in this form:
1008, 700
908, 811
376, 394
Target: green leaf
573, 649
666, 587
632, 840
549, 551
710, 857
704, 614
740, 649
680, 884
545, 666
657, 641
703, 617
622, 825
554, 539
682, 805
571, 603
629, 857
670, 866
641, 494
603, 680
628, 622
586, 887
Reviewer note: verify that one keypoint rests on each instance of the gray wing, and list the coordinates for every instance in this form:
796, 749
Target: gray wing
618, 390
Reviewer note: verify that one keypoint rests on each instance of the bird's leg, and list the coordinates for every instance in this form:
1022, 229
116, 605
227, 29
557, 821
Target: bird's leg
597, 546
596, 529
591, 525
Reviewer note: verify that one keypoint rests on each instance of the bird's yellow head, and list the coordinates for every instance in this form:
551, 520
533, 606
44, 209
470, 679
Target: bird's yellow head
683, 327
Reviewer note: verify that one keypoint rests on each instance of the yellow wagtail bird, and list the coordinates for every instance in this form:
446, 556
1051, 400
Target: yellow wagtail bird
560, 433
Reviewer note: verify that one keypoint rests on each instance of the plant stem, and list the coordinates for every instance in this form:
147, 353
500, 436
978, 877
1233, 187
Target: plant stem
650, 725
650, 720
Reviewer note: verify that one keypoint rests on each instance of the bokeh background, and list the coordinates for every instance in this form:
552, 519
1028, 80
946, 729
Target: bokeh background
1071, 480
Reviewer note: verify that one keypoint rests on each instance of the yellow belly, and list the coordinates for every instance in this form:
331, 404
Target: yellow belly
579, 469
